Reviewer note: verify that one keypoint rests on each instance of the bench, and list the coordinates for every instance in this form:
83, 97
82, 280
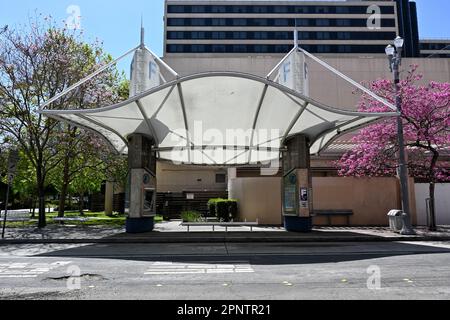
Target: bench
16, 216
335, 213
226, 225
65, 219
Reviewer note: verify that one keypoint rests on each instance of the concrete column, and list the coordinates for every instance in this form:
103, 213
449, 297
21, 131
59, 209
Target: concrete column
141, 190
297, 185
109, 198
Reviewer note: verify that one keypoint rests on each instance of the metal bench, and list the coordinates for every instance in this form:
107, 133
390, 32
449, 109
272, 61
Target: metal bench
226, 225
16, 216
66, 219
335, 213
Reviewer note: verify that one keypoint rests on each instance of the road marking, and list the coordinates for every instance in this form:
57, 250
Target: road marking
170, 268
28, 270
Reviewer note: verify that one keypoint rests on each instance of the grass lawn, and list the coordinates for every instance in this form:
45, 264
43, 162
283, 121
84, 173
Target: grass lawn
95, 219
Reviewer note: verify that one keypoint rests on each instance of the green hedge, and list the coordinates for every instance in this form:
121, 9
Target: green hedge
191, 216
223, 209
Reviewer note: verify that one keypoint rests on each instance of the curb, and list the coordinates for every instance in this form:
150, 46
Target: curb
229, 239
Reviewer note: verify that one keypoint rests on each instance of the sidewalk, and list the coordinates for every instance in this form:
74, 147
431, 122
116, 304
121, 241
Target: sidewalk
172, 232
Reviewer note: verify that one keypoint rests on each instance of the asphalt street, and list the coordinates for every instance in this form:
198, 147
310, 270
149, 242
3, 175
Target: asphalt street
251, 271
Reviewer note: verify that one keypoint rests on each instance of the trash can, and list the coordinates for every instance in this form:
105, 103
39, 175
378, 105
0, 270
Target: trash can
396, 220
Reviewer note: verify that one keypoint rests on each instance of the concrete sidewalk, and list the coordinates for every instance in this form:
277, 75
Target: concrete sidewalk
172, 232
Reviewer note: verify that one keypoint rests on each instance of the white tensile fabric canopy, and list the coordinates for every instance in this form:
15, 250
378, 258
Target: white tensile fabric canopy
218, 118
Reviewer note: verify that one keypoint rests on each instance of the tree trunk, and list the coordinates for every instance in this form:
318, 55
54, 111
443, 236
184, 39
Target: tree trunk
41, 196
64, 187
41, 192
81, 204
432, 221
33, 212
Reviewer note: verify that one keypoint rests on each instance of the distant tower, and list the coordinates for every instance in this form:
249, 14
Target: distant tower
144, 69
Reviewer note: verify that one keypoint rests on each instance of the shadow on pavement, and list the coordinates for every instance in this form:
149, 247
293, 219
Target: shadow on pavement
254, 253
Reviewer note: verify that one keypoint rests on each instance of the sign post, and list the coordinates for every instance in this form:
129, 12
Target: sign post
12, 168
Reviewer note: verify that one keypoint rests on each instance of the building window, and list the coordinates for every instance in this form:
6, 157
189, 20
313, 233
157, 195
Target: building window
343, 22
221, 178
323, 35
261, 35
219, 48
218, 9
322, 22
239, 35
239, 22
302, 22
219, 22
198, 9
219, 35
281, 22
198, 22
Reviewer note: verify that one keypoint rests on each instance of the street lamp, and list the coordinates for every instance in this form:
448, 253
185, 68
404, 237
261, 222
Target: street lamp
395, 59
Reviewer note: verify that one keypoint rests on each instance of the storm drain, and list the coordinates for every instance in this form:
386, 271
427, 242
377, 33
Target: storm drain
171, 268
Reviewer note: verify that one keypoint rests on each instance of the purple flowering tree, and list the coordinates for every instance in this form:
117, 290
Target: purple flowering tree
37, 62
426, 118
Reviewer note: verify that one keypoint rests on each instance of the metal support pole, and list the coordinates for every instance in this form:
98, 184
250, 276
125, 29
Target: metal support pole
403, 166
6, 210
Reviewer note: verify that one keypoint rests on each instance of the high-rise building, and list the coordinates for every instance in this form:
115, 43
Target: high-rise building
203, 27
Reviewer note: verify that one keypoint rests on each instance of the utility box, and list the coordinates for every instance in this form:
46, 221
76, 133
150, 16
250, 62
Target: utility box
396, 220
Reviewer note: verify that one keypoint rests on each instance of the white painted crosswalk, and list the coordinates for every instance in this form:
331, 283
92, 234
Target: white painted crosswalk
29, 270
173, 268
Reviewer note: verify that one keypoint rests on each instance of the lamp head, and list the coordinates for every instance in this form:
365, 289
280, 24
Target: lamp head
390, 51
399, 42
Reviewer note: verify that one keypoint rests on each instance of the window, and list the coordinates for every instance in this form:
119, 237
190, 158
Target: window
198, 35
176, 9
175, 35
322, 10
198, 9
219, 35
342, 10
198, 22
239, 22
220, 48
323, 35
198, 48
176, 22
302, 22
260, 9
281, 22
322, 22
343, 22
281, 9
261, 35
218, 9
303, 35
221, 178
260, 22
219, 22
323, 48
239, 35
239, 9
343, 35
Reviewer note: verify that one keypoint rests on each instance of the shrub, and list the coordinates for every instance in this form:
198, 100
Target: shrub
191, 216
224, 209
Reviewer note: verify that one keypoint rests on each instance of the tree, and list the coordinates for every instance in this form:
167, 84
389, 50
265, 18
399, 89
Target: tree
35, 65
426, 117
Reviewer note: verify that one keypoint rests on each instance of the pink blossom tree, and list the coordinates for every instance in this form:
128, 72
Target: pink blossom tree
426, 118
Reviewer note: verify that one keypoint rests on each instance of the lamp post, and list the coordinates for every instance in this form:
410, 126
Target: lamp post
395, 58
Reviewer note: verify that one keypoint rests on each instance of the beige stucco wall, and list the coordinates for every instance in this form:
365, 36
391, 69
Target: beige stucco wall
370, 199
258, 198
173, 178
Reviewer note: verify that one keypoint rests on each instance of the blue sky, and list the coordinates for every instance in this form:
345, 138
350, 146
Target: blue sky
117, 23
